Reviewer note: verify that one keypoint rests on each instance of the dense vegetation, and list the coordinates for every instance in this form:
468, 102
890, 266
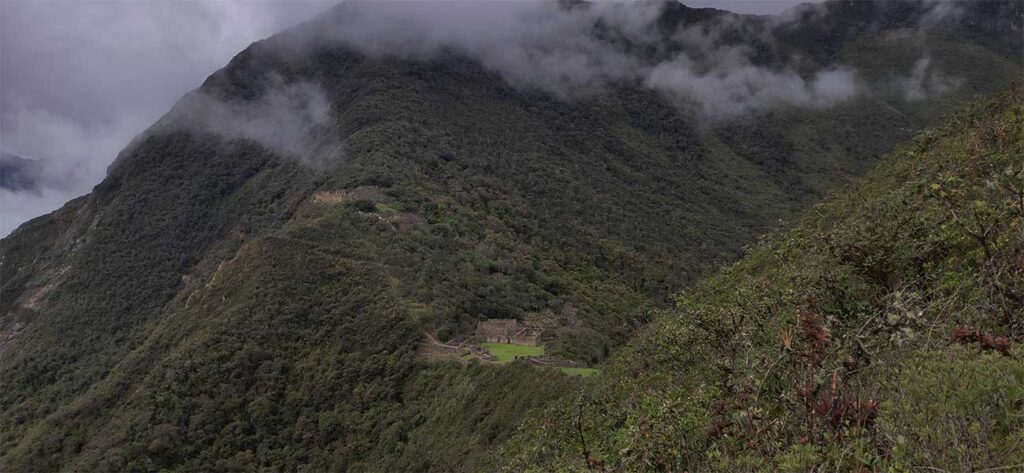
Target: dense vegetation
200, 310
882, 333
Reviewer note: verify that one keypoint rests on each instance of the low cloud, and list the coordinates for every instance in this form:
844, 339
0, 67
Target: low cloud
942, 11
570, 52
22, 206
924, 81
81, 79
291, 119
737, 87
535, 44
69, 157
576, 51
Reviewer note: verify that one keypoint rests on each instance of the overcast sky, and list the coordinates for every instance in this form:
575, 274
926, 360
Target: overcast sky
80, 78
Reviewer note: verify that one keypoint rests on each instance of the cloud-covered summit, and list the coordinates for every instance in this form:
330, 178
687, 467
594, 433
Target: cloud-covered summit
714, 60
290, 119
82, 78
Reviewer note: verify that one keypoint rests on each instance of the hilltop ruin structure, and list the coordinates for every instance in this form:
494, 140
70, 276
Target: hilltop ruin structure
509, 331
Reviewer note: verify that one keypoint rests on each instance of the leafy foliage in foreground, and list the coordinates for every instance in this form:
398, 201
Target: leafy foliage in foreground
882, 333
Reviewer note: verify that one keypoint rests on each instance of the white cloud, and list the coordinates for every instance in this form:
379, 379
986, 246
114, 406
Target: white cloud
541, 46
291, 119
736, 86
81, 78
924, 81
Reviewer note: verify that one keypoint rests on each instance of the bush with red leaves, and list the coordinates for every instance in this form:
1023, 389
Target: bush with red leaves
966, 336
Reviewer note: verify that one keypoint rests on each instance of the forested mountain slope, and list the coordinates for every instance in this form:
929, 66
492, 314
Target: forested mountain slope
882, 333
248, 286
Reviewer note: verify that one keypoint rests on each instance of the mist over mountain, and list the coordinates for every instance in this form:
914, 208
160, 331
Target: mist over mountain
81, 79
727, 64
17, 173
29, 187
287, 270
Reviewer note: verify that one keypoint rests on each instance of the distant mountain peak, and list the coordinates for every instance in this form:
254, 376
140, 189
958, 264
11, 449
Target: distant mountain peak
19, 174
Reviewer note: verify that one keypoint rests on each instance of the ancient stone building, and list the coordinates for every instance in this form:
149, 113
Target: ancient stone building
508, 331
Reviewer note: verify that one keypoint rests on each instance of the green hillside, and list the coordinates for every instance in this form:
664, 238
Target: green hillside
881, 333
218, 304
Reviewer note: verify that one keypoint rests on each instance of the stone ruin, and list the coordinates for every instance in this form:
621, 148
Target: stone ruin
509, 331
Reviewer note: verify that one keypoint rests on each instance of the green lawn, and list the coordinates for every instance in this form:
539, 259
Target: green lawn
506, 352
584, 372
